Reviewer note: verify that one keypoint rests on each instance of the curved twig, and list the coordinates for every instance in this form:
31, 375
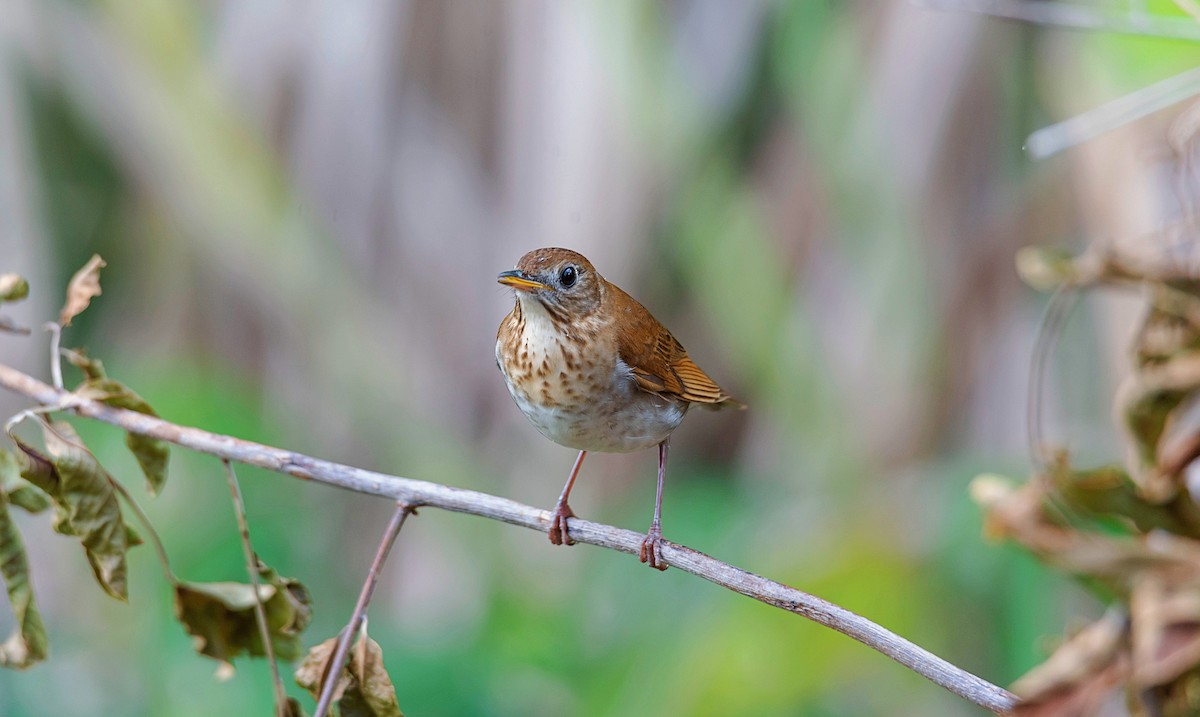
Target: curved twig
417, 493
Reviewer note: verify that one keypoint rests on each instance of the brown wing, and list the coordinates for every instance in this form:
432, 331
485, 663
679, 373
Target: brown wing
659, 363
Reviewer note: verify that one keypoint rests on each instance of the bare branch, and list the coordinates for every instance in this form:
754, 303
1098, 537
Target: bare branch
418, 493
333, 670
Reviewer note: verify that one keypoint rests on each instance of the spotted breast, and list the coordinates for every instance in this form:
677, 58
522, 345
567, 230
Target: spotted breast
568, 378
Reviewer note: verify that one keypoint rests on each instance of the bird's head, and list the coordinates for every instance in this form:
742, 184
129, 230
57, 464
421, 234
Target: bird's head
560, 280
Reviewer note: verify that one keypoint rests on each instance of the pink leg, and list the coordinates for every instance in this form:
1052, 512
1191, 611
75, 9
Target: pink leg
562, 511
652, 545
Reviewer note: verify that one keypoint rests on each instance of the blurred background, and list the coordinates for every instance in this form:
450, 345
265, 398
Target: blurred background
304, 206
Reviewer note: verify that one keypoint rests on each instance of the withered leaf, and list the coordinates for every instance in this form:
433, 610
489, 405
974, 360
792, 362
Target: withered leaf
220, 616
1084, 653
28, 643
1109, 492
1117, 563
93, 368
13, 287
17, 490
363, 689
152, 454
29, 498
84, 286
36, 467
311, 673
1179, 444
89, 506
1083, 673
85, 502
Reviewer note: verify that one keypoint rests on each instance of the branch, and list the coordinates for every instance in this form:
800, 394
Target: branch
417, 493
333, 671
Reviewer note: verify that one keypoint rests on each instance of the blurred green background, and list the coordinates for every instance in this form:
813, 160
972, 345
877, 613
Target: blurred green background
304, 205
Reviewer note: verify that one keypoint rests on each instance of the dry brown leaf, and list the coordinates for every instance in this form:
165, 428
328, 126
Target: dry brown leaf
1165, 617
83, 287
1085, 698
1179, 444
1091, 650
1020, 514
363, 688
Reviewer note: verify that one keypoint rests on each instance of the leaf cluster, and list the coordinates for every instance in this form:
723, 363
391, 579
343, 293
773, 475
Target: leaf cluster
1129, 532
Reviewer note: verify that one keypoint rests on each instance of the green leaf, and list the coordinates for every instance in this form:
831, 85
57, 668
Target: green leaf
13, 287
221, 616
84, 499
363, 689
151, 453
28, 643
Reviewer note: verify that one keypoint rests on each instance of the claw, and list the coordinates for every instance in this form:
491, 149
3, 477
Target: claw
651, 551
559, 534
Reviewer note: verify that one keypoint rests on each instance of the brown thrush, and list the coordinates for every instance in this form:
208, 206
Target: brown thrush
594, 371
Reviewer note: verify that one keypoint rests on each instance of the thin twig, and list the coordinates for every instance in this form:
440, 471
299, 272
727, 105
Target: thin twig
334, 669
1075, 16
1049, 329
1129, 108
260, 612
55, 353
1140, 103
422, 493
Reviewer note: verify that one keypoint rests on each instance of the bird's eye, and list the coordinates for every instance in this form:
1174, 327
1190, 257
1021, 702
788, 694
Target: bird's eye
567, 277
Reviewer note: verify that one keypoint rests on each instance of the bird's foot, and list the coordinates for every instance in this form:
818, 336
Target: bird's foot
651, 552
558, 524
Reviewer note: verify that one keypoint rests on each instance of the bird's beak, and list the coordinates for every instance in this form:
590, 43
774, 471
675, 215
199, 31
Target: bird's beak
517, 280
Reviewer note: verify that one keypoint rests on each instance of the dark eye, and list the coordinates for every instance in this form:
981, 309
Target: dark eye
567, 277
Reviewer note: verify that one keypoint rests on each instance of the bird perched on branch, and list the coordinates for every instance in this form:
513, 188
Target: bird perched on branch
594, 371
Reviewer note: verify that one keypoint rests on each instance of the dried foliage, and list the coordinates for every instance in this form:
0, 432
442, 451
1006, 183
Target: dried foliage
84, 286
221, 615
58, 471
85, 501
1130, 532
28, 644
363, 689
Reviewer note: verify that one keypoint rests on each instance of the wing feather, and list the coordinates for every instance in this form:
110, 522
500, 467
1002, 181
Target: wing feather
658, 361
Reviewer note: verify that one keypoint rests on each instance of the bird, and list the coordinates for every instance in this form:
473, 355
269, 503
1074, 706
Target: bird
593, 370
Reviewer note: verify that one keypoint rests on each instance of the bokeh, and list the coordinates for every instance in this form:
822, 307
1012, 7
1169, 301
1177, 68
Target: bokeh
304, 206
